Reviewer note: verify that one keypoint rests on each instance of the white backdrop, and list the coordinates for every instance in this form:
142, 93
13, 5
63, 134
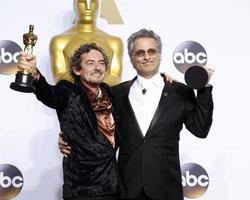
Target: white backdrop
29, 130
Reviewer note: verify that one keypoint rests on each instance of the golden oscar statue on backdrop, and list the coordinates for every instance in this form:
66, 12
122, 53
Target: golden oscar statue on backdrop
83, 31
24, 80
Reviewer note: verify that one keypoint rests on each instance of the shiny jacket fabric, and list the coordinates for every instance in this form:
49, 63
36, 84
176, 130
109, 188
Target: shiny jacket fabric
91, 169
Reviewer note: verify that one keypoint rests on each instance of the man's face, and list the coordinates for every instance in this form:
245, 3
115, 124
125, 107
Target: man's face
93, 67
146, 57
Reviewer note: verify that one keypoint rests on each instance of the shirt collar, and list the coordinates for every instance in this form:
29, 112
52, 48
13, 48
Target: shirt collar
155, 80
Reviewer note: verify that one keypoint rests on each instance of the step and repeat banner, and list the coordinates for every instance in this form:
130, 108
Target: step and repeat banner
215, 33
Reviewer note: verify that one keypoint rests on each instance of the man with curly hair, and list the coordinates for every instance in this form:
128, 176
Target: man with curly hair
87, 117
153, 112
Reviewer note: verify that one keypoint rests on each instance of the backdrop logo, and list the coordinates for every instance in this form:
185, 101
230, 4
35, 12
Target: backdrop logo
11, 181
187, 54
110, 12
195, 180
9, 52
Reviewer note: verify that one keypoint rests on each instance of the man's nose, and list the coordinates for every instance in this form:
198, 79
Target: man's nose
97, 66
146, 55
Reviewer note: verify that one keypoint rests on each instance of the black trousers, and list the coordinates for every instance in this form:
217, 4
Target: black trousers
141, 196
105, 197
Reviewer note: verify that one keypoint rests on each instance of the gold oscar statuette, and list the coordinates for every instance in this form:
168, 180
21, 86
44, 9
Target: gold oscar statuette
24, 80
84, 30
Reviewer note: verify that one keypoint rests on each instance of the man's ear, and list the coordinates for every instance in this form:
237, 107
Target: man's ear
131, 60
76, 70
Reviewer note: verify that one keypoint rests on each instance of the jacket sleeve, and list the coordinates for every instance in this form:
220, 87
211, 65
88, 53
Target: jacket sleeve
52, 96
199, 111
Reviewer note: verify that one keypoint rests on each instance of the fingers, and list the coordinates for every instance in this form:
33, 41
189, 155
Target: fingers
60, 134
209, 70
22, 62
22, 53
30, 57
169, 78
65, 150
174, 80
63, 146
65, 155
26, 62
61, 141
25, 56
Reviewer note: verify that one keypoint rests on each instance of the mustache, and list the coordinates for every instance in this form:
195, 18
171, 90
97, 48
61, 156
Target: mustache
99, 72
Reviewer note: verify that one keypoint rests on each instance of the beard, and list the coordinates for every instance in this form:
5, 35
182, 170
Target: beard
96, 79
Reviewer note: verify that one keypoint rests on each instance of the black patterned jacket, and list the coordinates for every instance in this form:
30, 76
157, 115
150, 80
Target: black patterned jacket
91, 169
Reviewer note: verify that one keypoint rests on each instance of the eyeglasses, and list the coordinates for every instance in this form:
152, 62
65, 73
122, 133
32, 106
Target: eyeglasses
142, 53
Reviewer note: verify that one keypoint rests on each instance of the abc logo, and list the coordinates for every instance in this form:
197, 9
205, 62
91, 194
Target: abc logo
187, 54
195, 180
11, 181
9, 52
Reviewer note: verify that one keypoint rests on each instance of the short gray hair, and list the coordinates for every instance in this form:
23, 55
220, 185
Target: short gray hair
143, 33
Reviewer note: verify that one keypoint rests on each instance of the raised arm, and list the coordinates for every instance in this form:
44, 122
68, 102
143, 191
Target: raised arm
199, 111
52, 96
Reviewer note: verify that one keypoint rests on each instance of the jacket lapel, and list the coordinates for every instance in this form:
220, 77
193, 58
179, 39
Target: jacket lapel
129, 108
160, 107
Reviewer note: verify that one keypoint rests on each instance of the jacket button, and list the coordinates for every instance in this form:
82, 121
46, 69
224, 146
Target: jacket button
144, 140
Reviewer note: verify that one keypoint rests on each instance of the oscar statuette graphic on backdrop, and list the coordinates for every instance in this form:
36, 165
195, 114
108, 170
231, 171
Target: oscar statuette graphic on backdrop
84, 30
24, 80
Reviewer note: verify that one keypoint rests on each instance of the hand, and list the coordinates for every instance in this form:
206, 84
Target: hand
27, 63
64, 148
210, 71
169, 78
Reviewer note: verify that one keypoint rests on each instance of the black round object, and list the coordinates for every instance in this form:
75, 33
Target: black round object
196, 77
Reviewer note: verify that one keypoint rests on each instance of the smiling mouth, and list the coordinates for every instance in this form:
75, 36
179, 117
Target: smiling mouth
97, 74
146, 63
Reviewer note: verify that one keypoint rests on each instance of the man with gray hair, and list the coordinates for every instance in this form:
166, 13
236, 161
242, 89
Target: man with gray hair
152, 112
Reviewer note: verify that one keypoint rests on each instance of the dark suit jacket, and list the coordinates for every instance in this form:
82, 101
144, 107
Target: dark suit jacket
152, 162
